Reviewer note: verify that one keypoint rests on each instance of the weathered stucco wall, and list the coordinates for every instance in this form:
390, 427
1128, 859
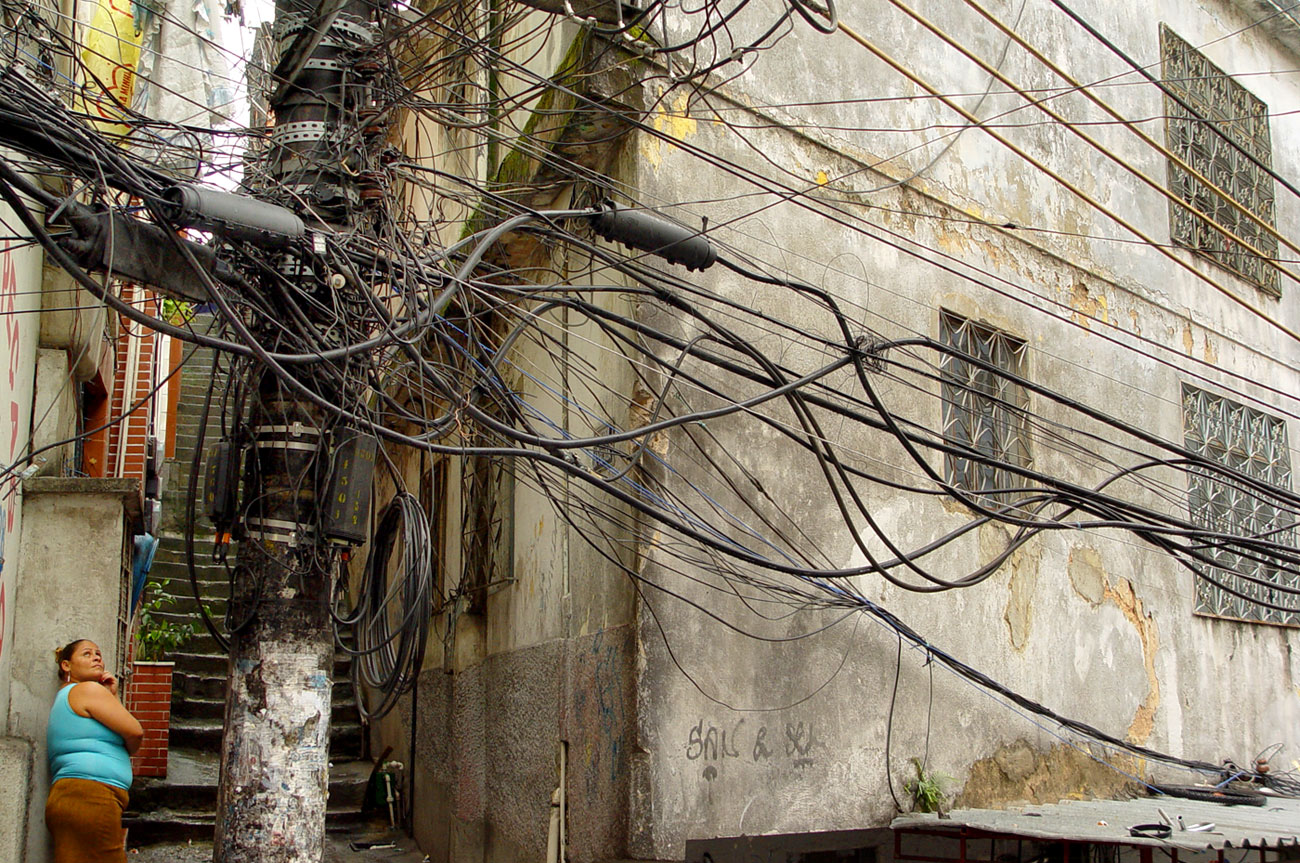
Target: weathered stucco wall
543, 675
20, 283
791, 736
20, 298
674, 727
69, 588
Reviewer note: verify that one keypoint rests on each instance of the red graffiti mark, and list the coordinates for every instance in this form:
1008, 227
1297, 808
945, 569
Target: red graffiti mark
13, 427
8, 290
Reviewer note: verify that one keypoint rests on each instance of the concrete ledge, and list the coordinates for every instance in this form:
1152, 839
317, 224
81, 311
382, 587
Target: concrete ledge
127, 488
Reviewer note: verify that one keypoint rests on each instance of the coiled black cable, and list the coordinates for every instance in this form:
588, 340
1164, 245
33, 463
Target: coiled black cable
390, 622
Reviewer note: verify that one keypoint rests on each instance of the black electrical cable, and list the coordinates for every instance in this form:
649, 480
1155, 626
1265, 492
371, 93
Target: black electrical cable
387, 657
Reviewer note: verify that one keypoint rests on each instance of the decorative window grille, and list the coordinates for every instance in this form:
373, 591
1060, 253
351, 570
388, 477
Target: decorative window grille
1254, 444
983, 410
1218, 102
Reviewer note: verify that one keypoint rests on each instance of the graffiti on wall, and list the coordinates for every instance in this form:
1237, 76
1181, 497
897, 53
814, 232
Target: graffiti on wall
792, 743
599, 706
12, 412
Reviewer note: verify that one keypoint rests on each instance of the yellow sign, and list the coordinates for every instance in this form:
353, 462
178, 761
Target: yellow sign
112, 49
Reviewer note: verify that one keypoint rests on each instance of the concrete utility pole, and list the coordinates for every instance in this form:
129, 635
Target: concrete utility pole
275, 749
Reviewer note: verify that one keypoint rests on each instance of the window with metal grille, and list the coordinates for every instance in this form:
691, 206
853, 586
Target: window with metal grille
1254, 444
1225, 124
983, 410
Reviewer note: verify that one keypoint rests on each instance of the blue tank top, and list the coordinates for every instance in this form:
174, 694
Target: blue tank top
79, 747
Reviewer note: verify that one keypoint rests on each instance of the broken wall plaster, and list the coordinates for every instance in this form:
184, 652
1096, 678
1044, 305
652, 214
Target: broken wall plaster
1018, 772
1088, 578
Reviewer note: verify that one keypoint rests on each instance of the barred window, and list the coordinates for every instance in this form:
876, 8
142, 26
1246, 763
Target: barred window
1254, 444
1218, 103
983, 410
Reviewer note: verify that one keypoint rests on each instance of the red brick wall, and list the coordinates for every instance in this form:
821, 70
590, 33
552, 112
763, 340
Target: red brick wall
131, 434
149, 698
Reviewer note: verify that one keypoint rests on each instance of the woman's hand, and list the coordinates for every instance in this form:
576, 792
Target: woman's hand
109, 682
95, 700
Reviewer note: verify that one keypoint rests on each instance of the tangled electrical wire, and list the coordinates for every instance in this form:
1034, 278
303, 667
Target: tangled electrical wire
526, 339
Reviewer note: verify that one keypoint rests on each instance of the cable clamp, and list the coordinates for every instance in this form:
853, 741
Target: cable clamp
278, 444
278, 530
870, 351
636, 44
297, 429
588, 20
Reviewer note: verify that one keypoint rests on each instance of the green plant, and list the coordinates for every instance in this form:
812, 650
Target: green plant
177, 312
928, 790
156, 636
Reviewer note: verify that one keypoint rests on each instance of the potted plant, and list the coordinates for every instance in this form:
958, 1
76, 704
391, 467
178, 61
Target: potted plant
149, 692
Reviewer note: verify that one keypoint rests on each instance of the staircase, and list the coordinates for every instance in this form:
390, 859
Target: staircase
182, 806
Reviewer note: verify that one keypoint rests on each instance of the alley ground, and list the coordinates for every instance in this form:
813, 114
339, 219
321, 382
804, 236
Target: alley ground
337, 850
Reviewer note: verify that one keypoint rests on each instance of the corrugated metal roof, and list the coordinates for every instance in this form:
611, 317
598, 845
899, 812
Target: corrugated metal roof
1274, 824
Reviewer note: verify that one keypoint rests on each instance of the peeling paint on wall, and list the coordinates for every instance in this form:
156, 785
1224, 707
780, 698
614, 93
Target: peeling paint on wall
1019, 772
1123, 595
1088, 578
1088, 306
673, 121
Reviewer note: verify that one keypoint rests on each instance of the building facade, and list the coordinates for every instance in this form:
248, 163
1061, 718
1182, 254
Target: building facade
1061, 238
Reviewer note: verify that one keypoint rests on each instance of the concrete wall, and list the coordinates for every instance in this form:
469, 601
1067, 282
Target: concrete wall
543, 676
73, 547
790, 737
20, 299
707, 732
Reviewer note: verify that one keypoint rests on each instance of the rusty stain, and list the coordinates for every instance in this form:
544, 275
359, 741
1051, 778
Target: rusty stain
1189, 342
1211, 353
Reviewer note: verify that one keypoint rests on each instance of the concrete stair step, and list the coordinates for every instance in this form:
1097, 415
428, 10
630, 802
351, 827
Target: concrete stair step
197, 686
212, 664
185, 604
161, 826
172, 550
343, 707
191, 784
205, 734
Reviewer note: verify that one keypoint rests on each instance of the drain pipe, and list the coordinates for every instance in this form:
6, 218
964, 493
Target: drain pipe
553, 831
555, 837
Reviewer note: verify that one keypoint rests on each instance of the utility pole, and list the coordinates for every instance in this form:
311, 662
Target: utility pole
275, 749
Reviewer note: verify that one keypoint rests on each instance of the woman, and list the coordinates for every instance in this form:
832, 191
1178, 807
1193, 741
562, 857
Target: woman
90, 740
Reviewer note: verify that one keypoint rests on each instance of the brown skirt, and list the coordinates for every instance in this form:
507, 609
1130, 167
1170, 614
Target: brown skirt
85, 819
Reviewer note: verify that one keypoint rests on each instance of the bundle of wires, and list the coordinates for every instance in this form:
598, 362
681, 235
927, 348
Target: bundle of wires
390, 620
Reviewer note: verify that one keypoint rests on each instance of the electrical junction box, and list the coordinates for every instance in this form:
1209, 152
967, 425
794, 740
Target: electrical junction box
347, 501
221, 483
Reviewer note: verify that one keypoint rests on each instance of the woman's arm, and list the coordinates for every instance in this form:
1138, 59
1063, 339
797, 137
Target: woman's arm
99, 703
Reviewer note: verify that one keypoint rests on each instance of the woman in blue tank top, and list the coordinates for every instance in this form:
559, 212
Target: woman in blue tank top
89, 742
